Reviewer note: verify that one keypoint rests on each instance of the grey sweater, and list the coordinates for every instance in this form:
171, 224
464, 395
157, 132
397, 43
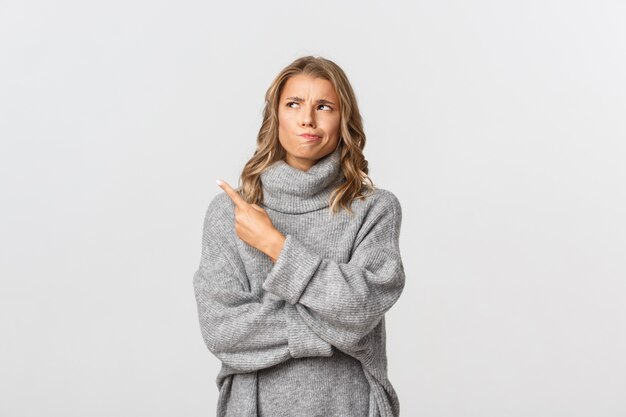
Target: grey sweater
304, 336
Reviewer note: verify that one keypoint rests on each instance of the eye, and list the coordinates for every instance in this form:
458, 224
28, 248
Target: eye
288, 104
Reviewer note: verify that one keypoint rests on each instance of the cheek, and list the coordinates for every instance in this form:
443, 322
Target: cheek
333, 125
283, 120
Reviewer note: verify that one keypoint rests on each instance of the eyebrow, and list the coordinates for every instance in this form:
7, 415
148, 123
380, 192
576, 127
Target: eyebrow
299, 99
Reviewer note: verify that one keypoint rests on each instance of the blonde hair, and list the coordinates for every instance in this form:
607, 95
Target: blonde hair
351, 136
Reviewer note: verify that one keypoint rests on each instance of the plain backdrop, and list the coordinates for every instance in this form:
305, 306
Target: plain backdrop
499, 125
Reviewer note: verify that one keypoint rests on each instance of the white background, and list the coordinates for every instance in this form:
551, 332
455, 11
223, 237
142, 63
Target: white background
500, 126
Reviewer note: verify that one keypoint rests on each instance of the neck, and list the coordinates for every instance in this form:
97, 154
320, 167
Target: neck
291, 190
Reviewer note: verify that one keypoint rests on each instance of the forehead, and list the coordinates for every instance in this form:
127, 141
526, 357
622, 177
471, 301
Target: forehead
308, 87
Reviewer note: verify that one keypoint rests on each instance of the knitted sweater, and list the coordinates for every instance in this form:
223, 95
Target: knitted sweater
316, 314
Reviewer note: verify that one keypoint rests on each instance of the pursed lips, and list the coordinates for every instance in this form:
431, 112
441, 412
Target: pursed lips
309, 136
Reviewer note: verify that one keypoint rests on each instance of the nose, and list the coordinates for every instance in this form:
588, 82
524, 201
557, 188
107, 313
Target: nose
307, 116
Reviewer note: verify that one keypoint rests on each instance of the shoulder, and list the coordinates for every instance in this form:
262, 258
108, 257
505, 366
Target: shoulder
380, 208
221, 201
382, 218
385, 201
220, 209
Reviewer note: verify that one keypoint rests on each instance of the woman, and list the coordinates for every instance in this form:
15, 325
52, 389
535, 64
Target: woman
299, 266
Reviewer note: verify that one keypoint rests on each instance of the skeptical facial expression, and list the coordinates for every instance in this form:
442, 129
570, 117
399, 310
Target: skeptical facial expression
308, 120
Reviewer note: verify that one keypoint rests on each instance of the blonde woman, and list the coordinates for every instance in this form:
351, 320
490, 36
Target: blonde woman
300, 264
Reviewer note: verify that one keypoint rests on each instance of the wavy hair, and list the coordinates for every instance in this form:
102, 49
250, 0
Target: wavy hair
351, 136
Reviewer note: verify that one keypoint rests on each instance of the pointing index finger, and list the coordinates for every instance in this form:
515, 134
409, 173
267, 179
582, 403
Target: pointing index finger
234, 195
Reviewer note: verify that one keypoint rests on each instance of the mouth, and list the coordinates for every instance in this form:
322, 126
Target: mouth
311, 137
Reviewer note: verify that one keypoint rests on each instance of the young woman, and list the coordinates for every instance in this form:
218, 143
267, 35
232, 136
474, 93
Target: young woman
300, 264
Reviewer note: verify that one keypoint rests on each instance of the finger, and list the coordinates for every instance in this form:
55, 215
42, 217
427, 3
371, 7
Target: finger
234, 195
257, 207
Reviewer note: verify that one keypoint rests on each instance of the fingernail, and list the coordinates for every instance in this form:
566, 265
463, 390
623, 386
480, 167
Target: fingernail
218, 182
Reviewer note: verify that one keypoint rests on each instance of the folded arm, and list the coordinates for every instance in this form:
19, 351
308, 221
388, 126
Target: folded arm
343, 302
239, 328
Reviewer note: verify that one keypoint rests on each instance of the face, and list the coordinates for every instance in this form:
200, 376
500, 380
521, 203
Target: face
308, 106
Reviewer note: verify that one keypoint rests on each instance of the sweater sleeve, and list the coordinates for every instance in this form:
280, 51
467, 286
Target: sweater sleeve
343, 302
243, 331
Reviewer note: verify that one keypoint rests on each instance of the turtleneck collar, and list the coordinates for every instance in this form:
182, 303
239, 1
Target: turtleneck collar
290, 190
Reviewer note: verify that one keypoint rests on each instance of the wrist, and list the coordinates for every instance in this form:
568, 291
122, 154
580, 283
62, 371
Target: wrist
275, 246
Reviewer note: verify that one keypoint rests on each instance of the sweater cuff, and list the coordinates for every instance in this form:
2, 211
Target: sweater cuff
303, 342
292, 271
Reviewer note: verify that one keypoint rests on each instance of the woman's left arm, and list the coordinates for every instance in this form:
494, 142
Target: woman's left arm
343, 302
